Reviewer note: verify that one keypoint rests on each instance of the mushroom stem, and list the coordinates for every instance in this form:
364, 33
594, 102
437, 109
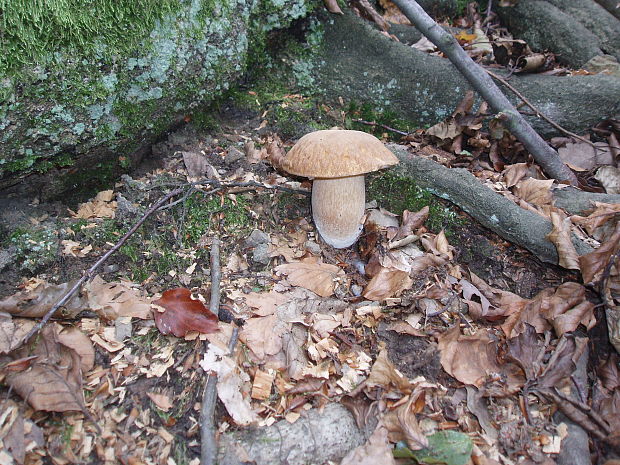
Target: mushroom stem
337, 209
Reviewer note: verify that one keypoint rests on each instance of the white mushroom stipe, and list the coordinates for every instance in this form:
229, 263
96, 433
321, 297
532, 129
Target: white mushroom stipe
338, 208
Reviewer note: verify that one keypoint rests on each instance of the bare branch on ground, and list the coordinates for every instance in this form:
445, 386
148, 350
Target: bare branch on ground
91, 271
544, 155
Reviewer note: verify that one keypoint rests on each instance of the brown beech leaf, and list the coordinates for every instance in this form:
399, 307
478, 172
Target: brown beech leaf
473, 360
563, 308
53, 380
387, 283
182, 314
403, 425
265, 303
313, 275
560, 235
385, 375
116, 299
34, 303
535, 191
411, 222
593, 264
263, 335
12, 331
602, 214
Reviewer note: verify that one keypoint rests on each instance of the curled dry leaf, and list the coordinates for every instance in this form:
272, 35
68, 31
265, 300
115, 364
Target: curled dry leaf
601, 216
387, 283
116, 299
34, 303
182, 314
593, 264
560, 235
385, 375
19, 435
313, 275
473, 360
403, 425
563, 308
102, 206
53, 380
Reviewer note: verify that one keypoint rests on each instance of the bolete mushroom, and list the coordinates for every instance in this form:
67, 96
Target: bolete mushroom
337, 160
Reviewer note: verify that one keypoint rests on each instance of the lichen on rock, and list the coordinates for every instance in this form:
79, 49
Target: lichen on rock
99, 88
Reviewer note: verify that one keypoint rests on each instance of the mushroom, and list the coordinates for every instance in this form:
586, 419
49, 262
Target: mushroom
337, 161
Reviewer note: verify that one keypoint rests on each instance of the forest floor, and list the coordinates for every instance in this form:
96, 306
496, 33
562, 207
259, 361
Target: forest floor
367, 323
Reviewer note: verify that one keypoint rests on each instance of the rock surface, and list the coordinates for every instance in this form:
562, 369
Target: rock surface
98, 107
360, 64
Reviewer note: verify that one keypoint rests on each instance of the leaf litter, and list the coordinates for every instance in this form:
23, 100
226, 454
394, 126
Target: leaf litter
127, 356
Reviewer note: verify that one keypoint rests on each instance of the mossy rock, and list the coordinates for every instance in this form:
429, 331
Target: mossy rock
86, 91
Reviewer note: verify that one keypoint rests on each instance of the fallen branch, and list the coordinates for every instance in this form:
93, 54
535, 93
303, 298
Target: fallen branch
544, 155
89, 274
208, 443
492, 210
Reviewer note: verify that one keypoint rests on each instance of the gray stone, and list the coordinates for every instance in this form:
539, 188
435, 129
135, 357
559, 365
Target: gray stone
256, 237
88, 108
260, 254
233, 155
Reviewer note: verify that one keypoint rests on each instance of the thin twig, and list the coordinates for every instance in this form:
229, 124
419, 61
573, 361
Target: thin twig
208, 444
537, 112
91, 271
225, 184
375, 124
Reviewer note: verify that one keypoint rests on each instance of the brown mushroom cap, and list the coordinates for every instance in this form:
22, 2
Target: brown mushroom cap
336, 153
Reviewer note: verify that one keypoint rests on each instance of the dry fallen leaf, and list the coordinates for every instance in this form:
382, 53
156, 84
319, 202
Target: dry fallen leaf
116, 299
318, 277
263, 335
473, 360
265, 303
593, 264
535, 191
387, 283
101, 206
162, 401
182, 314
53, 380
563, 308
560, 235
34, 303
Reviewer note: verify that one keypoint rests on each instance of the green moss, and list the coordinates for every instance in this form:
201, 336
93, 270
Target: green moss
396, 193
31, 28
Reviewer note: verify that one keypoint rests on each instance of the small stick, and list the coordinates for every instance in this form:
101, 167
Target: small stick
537, 111
91, 271
374, 124
208, 444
